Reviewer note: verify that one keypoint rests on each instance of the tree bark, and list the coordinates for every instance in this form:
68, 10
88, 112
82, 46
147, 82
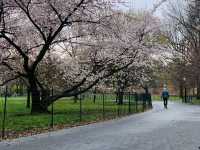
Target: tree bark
181, 91
148, 97
94, 97
120, 98
44, 94
37, 106
120, 91
193, 92
35, 94
75, 98
28, 103
145, 96
198, 91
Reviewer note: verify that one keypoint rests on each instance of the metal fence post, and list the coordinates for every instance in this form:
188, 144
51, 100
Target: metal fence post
144, 101
136, 102
4, 113
185, 95
80, 115
52, 110
129, 102
118, 111
103, 106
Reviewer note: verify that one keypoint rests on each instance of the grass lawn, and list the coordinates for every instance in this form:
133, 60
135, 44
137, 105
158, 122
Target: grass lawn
195, 101
171, 98
66, 113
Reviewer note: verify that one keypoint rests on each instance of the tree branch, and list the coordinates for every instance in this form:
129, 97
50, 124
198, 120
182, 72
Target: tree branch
9, 80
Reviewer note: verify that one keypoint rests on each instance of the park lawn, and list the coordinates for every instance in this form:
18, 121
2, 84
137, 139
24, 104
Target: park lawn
195, 102
66, 113
171, 98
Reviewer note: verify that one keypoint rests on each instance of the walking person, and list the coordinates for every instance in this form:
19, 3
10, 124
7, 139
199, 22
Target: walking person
165, 97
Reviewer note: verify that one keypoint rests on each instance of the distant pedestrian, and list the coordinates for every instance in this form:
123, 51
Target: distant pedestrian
165, 97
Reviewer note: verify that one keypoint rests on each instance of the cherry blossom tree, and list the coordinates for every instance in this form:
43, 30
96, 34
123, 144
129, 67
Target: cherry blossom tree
133, 77
68, 45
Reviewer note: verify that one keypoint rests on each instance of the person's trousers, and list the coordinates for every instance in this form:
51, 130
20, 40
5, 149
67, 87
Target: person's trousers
165, 101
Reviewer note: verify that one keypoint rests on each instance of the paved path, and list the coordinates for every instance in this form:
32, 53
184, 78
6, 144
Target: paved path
177, 128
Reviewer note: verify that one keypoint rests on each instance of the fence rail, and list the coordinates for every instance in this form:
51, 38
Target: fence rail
88, 107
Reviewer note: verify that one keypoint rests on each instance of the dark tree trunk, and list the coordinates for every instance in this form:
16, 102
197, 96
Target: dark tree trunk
193, 92
45, 94
120, 98
37, 105
148, 97
94, 97
145, 96
75, 98
28, 103
198, 91
120, 91
146, 90
181, 91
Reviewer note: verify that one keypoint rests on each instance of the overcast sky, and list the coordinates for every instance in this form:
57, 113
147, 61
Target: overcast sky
142, 4
145, 5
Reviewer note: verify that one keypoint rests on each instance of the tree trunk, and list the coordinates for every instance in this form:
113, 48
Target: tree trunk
148, 97
94, 97
45, 94
75, 98
120, 98
193, 92
37, 106
146, 90
145, 96
198, 91
21, 89
120, 92
181, 91
28, 103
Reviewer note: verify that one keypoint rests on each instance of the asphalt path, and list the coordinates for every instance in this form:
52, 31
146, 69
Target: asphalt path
175, 128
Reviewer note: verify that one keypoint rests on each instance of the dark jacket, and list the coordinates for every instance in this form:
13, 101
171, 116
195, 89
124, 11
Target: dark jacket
165, 94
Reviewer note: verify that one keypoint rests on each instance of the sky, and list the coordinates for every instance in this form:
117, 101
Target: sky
145, 5
142, 4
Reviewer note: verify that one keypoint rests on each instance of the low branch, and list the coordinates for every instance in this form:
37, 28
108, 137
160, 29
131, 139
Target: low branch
9, 80
52, 99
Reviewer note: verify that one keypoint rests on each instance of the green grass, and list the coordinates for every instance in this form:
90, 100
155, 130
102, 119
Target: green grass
171, 98
195, 101
66, 112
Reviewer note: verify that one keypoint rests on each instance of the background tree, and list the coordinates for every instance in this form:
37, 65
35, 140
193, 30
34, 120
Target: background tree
185, 41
